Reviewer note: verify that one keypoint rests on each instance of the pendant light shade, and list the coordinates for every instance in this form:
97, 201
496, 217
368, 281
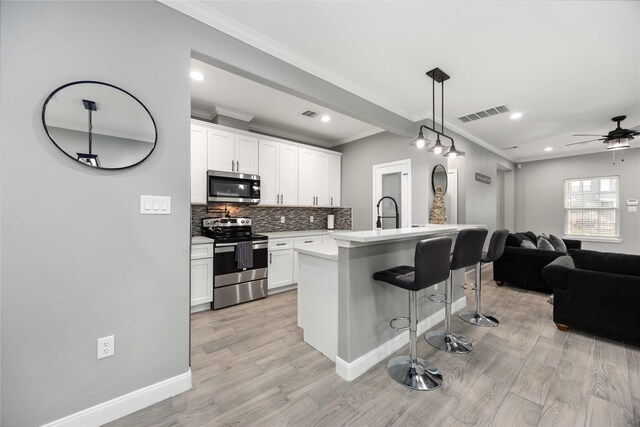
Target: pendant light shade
420, 141
452, 153
618, 144
437, 148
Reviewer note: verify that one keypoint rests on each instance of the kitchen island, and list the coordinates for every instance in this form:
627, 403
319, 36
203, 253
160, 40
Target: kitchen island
345, 314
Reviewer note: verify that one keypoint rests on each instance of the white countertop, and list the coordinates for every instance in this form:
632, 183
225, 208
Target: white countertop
303, 233
356, 238
321, 250
200, 240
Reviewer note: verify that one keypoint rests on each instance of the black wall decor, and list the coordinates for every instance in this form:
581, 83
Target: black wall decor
483, 178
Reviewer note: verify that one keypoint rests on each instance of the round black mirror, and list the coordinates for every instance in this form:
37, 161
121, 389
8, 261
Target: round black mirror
439, 178
99, 125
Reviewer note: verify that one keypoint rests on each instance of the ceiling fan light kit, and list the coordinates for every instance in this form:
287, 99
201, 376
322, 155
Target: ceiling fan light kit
437, 75
617, 139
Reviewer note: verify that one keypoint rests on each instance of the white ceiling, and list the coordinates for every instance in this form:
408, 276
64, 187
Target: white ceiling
273, 111
568, 66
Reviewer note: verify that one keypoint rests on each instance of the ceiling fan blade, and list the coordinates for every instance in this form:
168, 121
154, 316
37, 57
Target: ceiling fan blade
587, 134
584, 142
636, 129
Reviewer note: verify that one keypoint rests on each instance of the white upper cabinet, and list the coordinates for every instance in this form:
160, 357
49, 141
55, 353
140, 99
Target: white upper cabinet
288, 174
278, 173
335, 173
246, 154
221, 150
198, 164
232, 153
269, 188
319, 178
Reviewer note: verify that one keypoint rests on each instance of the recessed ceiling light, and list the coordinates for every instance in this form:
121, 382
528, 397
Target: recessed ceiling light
548, 149
197, 75
516, 116
326, 118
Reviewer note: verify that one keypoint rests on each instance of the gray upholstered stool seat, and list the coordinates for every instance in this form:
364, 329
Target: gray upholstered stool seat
431, 267
466, 252
495, 251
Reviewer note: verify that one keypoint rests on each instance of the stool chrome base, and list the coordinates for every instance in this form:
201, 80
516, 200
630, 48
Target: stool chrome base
479, 319
451, 343
423, 376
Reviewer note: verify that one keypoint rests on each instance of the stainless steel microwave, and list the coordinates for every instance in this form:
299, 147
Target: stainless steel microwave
231, 187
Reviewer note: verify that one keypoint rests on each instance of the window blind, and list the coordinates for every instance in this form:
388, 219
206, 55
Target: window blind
591, 207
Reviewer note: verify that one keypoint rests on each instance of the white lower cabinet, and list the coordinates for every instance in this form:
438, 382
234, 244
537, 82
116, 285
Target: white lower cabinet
280, 263
201, 277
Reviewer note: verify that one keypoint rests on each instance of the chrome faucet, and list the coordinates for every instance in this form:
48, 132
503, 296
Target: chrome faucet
397, 217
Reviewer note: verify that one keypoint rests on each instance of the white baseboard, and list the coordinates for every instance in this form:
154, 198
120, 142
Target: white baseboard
123, 405
351, 371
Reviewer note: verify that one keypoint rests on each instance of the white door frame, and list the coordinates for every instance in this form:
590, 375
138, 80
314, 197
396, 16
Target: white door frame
452, 196
404, 167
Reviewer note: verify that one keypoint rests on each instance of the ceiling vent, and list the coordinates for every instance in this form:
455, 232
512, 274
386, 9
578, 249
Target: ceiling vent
309, 113
484, 114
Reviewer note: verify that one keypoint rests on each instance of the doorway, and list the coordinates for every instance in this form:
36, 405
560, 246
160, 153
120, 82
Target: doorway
393, 180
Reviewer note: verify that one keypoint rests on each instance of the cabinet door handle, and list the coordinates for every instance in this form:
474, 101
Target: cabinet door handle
270, 258
237, 165
308, 241
233, 166
332, 201
281, 199
280, 244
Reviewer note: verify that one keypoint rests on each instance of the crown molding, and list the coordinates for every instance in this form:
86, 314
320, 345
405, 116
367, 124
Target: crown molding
201, 11
234, 114
202, 114
360, 135
279, 133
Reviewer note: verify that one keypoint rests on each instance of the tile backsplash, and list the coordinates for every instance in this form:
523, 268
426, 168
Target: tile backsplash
267, 219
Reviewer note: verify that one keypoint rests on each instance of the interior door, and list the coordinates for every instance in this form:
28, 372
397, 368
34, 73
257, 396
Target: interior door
394, 180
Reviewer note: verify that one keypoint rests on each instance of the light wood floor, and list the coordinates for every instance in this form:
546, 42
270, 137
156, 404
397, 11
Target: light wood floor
251, 367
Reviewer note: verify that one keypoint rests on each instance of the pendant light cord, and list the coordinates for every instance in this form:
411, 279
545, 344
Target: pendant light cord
442, 110
90, 132
433, 102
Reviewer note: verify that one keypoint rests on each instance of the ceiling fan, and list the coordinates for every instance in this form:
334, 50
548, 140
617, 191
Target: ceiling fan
617, 139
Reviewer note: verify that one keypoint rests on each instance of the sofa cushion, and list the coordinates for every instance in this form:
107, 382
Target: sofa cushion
544, 244
557, 243
607, 262
513, 240
527, 244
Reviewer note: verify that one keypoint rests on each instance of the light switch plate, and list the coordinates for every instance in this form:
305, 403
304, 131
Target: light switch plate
155, 205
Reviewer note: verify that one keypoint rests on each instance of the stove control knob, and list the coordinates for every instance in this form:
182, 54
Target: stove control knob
242, 222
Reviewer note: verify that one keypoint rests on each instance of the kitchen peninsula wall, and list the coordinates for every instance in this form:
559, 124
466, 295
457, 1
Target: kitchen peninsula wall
267, 219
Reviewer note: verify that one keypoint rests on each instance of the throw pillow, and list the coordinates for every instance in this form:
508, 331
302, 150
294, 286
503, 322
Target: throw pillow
527, 244
557, 243
543, 244
513, 240
531, 235
523, 236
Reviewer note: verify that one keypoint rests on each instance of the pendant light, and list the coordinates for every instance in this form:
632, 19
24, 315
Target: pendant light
437, 75
89, 158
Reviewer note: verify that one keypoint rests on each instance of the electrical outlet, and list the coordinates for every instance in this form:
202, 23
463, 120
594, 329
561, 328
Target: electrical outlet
106, 346
311, 218
282, 219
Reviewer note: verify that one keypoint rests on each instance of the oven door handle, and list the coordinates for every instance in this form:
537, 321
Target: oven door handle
230, 247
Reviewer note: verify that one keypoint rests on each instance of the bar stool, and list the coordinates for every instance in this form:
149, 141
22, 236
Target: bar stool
431, 266
466, 252
496, 248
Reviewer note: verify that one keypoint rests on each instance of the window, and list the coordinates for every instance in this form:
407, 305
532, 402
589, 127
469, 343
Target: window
591, 207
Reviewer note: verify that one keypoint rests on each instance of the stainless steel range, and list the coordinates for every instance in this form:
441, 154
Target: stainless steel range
239, 262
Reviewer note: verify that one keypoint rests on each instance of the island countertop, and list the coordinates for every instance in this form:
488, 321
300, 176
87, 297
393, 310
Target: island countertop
368, 237
322, 250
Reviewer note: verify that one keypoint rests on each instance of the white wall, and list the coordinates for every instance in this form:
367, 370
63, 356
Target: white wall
539, 190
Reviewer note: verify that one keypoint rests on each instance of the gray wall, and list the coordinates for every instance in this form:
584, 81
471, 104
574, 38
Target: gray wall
78, 261
477, 202
540, 194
